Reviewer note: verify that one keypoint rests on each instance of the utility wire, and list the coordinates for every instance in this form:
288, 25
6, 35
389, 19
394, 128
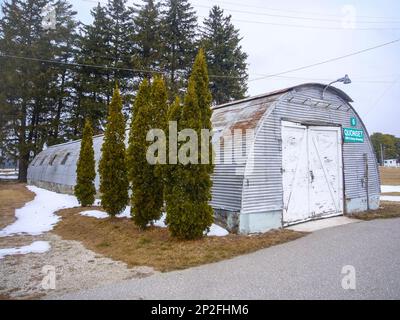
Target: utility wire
211, 76
282, 24
80, 64
354, 79
291, 17
300, 12
312, 27
326, 61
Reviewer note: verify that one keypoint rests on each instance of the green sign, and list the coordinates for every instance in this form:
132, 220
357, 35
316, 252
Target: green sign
353, 122
353, 135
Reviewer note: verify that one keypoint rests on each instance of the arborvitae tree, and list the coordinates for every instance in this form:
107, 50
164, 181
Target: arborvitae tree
226, 57
188, 211
147, 185
147, 38
179, 26
112, 167
85, 171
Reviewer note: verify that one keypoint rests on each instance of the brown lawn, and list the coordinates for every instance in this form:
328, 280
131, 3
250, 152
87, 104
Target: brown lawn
386, 210
119, 239
390, 176
12, 196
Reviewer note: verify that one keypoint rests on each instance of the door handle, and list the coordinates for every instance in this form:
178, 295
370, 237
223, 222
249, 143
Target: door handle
312, 176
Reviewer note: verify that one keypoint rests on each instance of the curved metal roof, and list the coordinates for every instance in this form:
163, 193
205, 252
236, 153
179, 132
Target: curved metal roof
337, 91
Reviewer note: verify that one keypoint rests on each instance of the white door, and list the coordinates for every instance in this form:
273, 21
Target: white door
312, 172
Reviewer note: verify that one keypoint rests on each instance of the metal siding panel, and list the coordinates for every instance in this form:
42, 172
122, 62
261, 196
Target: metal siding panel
263, 188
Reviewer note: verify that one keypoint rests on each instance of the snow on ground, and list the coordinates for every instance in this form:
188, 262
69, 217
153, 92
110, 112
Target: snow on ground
94, 213
38, 216
34, 247
161, 222
126, 213
386, 189
217, 231
390, 198
8, 177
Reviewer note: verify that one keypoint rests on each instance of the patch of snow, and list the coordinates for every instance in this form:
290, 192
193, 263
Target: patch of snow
8, 177
161, 222
386, 189
126, 213
38, 216
95, 214
217, 231
34, 247
390, 198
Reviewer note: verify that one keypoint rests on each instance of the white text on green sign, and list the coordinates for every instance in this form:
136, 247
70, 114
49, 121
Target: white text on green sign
353, 135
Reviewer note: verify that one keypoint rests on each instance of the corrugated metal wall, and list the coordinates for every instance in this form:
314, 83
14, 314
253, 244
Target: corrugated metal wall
263, 187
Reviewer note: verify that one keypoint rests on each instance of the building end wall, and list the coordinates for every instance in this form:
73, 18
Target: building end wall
260, 222
357, 205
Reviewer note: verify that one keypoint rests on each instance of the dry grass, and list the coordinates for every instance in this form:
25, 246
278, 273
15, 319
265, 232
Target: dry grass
387, 210
391, 194
119, 239
12, 196
390, 176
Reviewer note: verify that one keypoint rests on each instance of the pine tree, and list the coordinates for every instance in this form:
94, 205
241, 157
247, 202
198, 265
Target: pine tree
188, 211
94, 85
221, 41
179, 27
121, 29
147, 38
147, 185
112, 167
62, 92
85, 171
27, 87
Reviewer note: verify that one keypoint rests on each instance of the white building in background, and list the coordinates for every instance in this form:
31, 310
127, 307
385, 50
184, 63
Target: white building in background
392, 163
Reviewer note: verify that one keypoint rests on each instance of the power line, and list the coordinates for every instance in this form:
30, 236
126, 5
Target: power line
279, 74
326, 61
312, 27
302, 12
383, 94
291, 17
80, 64
101, 66
391, 20
354, 79
297, 26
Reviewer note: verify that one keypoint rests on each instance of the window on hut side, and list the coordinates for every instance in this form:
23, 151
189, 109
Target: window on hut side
52, 160
64, 160
41, 162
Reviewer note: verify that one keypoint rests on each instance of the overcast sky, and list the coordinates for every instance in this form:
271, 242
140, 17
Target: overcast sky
287, 34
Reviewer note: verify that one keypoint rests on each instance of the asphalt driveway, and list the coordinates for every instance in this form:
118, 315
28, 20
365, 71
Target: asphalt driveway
308, 268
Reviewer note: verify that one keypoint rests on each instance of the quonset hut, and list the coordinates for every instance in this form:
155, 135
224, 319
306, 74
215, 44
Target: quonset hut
310, 157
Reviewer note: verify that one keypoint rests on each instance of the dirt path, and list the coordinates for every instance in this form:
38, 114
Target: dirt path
76, 267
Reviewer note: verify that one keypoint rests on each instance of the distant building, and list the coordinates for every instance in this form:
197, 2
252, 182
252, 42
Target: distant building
392, 163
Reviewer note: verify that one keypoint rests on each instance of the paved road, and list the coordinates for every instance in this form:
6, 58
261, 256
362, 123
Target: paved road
308, 268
